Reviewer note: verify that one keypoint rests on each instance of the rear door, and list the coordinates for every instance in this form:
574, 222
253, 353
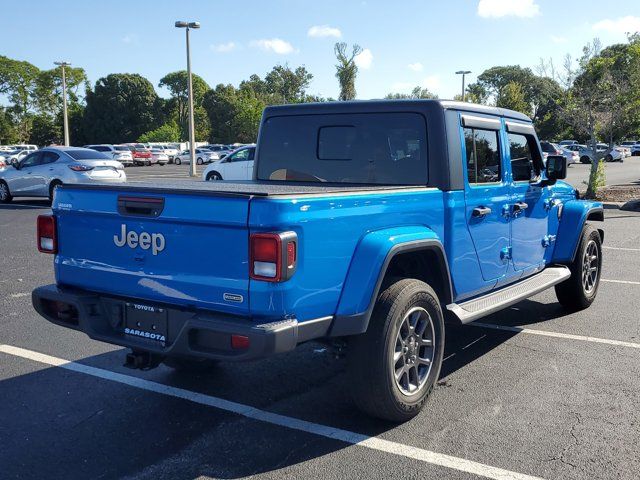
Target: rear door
487, 192
529, 206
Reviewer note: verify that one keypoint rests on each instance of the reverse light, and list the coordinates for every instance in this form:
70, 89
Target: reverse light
47, 237
77, 167
273, 256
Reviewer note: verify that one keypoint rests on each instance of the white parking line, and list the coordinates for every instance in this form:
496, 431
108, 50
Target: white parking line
545, 333
346, 436
19, 295
622, 249
628, 282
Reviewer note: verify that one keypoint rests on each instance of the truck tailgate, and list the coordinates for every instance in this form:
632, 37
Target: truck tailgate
171, 247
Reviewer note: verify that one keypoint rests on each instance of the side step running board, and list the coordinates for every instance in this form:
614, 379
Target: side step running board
481, 306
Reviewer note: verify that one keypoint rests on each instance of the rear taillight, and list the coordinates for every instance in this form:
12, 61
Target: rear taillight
47, 234
273, 256
76, 167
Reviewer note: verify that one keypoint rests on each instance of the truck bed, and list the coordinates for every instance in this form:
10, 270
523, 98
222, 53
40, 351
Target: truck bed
240, 188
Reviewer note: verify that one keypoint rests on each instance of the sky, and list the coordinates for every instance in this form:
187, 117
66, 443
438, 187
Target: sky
405, 43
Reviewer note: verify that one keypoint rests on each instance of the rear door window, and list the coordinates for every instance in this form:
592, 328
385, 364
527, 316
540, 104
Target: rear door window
367, 148
482, 156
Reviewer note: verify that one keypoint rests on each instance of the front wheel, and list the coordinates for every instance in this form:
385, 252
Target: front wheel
211, 176
579, 291
395, 364
177, 161
199, 161
5, 194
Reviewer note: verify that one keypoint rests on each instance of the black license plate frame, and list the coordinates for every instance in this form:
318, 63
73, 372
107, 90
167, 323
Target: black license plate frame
146, 322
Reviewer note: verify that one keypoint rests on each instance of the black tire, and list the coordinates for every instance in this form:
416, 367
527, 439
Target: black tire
585, 159
52, 187
199, 161
177, 161
608, 158
190, 365
5, 193
212, 176
147, 163
371, 356
574, 294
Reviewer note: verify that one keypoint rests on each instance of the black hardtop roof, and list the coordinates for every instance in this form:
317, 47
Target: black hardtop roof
363, 106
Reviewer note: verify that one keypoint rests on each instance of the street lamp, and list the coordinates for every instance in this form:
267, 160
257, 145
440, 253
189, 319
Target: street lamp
192, 149
64, 101
463, 73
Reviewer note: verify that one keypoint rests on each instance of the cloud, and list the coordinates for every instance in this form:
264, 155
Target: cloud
508, 8
628, 24
275, 45
130, 38
321, 31
416, 67
224, 47
557, 39
364, 59
431, 83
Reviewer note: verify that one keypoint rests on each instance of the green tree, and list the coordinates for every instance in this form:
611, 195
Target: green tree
169, 132
178, 105
417, 92
8, 133
121, 108
511, 96
286, 85
18, 85
234, 114
346, 70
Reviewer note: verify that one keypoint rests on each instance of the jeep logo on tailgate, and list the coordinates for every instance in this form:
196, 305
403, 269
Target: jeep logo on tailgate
146, 241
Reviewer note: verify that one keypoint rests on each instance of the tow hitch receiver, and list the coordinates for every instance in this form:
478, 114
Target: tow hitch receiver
140, 360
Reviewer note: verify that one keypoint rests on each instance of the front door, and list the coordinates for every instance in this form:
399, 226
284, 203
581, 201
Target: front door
235, 165
487, 193
529, 202
27, 181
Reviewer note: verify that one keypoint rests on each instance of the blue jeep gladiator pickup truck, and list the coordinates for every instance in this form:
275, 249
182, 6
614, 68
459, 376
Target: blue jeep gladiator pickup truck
371, 221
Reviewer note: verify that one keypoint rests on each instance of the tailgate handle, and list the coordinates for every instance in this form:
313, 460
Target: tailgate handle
140, 206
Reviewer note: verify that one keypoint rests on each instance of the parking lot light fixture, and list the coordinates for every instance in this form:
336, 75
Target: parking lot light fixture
192, 148
463, 73
65, 117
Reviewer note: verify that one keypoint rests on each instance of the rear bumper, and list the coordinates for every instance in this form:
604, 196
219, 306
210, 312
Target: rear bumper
189, 333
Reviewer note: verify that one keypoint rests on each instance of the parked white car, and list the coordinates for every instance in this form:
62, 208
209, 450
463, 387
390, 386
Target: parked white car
202, 156
172, 151
602, 151
14, 156
159, 157
29, 147
39, 173
238, 165
117, 152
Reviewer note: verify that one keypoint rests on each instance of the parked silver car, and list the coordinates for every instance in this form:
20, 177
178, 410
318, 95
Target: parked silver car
39, 173
117, 152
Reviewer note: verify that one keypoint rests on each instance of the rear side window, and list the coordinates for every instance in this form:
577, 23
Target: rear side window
48, 157
369, 148
86, 154
521, 148
482, 156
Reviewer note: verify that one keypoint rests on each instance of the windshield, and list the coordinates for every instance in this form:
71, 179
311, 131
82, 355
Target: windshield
86, 154
121, 149
371, 148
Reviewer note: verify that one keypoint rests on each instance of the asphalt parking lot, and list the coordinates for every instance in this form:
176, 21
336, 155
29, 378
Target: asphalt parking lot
532, 392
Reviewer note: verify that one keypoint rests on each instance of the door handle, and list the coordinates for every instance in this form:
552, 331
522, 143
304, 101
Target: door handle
481, 211
520, 207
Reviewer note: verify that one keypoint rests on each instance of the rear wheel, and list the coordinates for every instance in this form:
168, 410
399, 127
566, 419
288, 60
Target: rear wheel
199, 161
585, 159
52, 188
177, 161
188, 364
608, 158
395, 364
211, 176
5, 194
579, 291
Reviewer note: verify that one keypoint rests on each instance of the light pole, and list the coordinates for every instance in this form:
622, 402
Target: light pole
463, 73
64, 101
192, 149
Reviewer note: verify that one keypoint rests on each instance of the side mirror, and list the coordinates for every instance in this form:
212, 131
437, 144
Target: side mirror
556, 168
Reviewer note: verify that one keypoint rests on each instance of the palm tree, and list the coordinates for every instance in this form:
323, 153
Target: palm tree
346, 70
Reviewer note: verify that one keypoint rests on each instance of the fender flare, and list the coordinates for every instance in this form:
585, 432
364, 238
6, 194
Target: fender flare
366, 277
575, 214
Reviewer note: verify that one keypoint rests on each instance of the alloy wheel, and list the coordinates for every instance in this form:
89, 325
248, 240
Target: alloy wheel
590, 265
414, 351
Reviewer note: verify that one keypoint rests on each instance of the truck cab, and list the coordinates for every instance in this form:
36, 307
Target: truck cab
370, 223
